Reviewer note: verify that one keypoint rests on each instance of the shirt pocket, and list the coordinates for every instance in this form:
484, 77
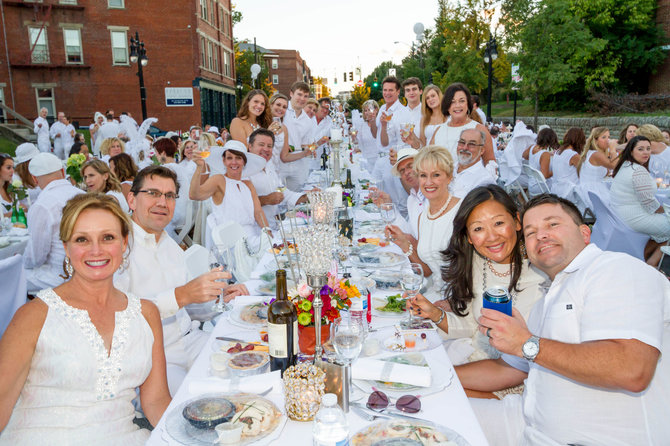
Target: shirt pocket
561, 322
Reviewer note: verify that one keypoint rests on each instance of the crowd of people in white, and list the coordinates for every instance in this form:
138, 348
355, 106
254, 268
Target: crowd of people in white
580, 361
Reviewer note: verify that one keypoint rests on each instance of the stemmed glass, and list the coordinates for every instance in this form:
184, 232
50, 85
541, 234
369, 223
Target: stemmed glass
218, 258
411, 281
388, 214
348, 335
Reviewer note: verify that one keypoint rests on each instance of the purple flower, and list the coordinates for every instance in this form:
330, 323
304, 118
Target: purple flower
326, 290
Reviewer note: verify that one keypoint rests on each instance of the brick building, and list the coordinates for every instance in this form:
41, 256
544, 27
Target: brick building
659, 82
287, 68
73, 56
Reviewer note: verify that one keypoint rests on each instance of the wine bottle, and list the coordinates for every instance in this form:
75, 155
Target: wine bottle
348, 184
282, 328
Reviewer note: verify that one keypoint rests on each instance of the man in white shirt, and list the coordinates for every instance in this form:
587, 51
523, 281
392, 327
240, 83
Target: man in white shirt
41, 129
44, 254
470, 171
56, 133
157, 270
111, 129
271, 192
475, 104
404, 168
412, 89
300, 129
388, 118
594, 352
67, 137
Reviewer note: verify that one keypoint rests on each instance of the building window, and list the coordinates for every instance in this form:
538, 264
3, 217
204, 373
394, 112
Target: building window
2, 99
210, 53
217, 68
203, 52
73, 50
226, 63
119, 48
45, 98
116, 4
212, 12
224, 21
275, 64
203, 9
39, 45
67, 2
275, 79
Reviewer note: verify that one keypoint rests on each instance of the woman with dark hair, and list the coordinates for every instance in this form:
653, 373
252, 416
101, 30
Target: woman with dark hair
539, 157
633, 197
457, 107
79, 148
564, 163
485, 250
627, 133
254, 113
6, 175
123, 166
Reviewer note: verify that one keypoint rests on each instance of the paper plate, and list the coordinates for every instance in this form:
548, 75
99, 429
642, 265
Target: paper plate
407, 433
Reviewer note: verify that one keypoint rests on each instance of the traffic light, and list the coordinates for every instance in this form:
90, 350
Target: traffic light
351, 76
375, 84
344, 78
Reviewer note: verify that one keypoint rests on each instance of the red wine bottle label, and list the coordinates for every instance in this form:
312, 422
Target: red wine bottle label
278, 340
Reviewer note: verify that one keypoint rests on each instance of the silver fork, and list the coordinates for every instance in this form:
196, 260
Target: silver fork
367, 415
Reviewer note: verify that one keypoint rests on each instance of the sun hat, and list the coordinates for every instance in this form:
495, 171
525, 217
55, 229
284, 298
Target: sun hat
403, 154
213, 129
254, 164
25, 152
44, 164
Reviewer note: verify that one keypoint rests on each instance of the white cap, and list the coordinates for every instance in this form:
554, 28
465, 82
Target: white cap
254, 164
25, 152
213, 129
403, 154
171, 134
329, 399
44, 164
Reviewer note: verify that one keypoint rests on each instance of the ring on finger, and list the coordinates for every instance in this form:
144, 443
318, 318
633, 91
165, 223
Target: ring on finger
488, 332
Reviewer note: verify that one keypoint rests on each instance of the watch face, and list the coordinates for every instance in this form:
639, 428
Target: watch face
530, 349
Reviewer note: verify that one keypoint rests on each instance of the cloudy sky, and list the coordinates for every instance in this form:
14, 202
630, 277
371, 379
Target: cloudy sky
336, 36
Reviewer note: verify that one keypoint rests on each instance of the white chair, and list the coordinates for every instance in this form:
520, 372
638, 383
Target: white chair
610, 233
197, 260
537, 184
189, 223
229, 238
13, 291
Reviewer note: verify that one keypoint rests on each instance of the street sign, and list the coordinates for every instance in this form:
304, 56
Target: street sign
360, 83
178, 97
516, 78
391, 71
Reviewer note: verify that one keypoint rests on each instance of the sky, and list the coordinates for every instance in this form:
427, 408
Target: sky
336, 36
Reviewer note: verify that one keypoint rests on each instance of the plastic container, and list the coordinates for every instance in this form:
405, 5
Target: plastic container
249, 363
330, 426
358, 309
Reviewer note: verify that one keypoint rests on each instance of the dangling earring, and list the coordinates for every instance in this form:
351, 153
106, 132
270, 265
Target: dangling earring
125, 263
69, 269
524, 254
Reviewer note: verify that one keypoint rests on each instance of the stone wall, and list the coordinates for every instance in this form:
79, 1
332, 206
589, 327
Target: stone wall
614, 123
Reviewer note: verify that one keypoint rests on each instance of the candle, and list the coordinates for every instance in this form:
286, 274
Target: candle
336, 134
337, 190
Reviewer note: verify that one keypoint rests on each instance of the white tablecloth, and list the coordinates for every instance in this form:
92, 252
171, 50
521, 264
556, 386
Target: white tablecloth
17, 246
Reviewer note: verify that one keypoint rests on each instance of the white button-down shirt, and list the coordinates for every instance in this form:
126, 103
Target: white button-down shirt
466, 180
409, 116
267, 181
599, 295
393, 126
415, 205
44, 254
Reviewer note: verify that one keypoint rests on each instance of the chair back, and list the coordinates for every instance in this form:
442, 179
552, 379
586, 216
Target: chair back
13, 291
537, 184
197, 260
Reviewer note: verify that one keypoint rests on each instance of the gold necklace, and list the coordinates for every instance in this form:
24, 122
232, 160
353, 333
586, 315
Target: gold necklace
496, 273
437, 214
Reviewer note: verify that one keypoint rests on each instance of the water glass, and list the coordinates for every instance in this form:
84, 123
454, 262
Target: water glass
218, 257
411, 281
348, 336
388, 214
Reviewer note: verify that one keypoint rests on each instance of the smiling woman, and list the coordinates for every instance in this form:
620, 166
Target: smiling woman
51, 351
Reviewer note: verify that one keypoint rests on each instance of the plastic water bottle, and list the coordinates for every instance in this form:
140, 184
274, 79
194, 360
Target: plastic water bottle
358, 310
330, 426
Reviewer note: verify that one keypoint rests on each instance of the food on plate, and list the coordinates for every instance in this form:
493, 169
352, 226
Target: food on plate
368, 240
386, 281
394, 304
248, 361
255, 313
279, 247
256, 415
401, 432
205, 413
240, 348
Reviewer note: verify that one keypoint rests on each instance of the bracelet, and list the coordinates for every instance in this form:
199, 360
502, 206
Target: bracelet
439, 321
410, 250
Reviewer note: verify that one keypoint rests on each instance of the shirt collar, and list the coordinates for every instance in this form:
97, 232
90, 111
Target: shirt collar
147, 239
57, 183
584, 258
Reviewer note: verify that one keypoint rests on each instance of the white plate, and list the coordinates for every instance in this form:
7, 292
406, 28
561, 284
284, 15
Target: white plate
241, 315
396, 343
378, 302
386, 260
377, 434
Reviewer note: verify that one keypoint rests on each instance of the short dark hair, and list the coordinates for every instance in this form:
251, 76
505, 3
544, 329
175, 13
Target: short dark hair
153, 171
325, 99
547, 138
449, 94
392, 80
300, 85
567, 205
412, 81
166, 146
76, 148
261, 131
476, 100
627, 153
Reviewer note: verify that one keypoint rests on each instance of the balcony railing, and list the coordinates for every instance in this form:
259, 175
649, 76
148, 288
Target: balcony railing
40, 56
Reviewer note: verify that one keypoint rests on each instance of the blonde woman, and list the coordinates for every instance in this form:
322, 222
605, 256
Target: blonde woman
596, 160
368, 142
99, 178
111, 147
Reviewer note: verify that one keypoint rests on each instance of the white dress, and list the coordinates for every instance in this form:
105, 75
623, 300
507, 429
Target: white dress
121, 199
592, 179
534, 162
447, 136
564, 175
429, 131
238, 206
633, 200
434, 237
75, 394
276, 150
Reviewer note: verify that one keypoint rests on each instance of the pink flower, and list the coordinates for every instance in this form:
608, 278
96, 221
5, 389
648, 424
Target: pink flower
304, 290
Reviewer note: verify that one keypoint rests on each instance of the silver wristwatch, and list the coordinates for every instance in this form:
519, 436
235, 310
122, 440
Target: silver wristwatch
531, 348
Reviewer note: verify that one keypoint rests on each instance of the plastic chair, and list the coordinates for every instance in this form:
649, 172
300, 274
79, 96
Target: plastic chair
189, 223
197, 260
537, 184
13, 291
610, 233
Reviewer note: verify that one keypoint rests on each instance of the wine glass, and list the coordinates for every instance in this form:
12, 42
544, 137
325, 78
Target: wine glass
348, 337
217, 258
388, 214
656, 167
411, 281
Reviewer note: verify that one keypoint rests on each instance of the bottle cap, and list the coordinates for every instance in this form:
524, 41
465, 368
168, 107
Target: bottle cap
329, 399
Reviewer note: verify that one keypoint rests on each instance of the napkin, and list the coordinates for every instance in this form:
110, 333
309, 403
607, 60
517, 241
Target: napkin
374, 369
360, 215
18, 232
248, 384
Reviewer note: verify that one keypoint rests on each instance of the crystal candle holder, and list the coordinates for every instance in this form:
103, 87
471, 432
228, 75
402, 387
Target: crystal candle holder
304, 385
322, 204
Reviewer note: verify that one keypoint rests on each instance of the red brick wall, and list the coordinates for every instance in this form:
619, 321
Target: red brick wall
168, 29
289, 69
660, 82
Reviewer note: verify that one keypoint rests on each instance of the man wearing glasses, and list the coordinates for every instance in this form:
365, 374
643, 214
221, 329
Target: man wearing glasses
156, 270
470, 171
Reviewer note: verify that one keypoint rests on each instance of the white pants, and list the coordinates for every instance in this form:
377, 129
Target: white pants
180, 356
58, 150
501, 420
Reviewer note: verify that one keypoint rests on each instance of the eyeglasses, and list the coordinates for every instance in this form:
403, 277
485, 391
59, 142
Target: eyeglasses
156, 194
469, 145
406, 403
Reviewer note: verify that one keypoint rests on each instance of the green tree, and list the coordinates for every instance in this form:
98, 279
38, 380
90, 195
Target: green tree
243, 62
237, 15
358, 96
379, 73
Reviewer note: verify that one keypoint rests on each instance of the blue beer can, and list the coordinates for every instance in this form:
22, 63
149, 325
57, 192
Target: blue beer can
498, 298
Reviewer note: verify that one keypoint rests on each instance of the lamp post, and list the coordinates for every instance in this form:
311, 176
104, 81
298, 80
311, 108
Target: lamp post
138, 53
490, 54
240, 86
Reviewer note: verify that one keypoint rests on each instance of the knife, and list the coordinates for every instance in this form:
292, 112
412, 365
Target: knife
257, 345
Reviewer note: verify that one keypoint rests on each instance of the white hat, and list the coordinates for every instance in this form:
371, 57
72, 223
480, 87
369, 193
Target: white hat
171, 134
26, 152
44, 164
213, 129
403, 154
254, 164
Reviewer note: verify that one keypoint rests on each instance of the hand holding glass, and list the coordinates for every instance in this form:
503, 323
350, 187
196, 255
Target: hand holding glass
411, 281
217, 259
387, 211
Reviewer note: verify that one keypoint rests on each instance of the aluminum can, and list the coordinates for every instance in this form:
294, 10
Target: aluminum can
498, 298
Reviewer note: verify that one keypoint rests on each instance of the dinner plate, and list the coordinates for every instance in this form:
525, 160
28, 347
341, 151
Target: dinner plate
378, 260
397, 342
253, 408
377, 303
404, 432
250, 316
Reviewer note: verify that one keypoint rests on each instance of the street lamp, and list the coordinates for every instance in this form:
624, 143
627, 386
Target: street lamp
240, 86
137, 52
490, 54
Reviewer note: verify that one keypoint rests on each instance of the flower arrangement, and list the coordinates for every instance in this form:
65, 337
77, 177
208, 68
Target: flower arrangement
336, 296
73, 167
17, 190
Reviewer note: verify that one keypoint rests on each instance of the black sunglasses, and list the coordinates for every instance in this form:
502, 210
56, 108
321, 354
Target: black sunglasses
406, 403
